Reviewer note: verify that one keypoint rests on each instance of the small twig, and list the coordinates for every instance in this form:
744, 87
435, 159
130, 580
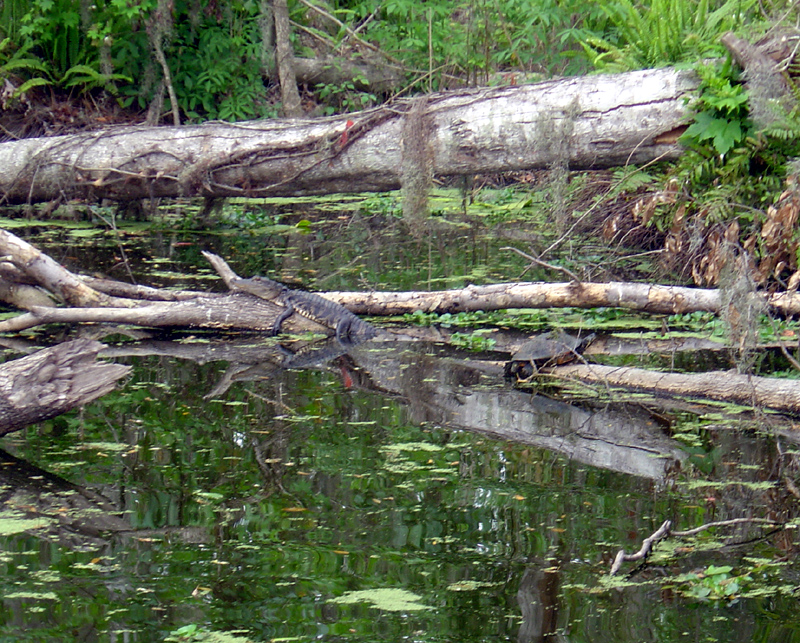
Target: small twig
782, 346
368, 19
314, 33
647, 547
544, 264
9, 134
723, 523
792, 487
112, 223
665, 530
596, 204
350, 33
635, 256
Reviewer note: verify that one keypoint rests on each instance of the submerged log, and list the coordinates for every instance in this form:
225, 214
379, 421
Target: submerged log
729, 386
52, 381
585, 122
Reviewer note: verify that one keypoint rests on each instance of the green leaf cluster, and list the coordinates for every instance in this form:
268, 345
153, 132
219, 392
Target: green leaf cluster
722, 115
731, 171
476, 341
217, 58
715, 583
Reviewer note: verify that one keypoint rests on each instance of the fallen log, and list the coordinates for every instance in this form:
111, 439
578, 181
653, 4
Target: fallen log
289, 310
52, 381
366, 75
585, 122
644, 297
729, 386
657, 299
96, 301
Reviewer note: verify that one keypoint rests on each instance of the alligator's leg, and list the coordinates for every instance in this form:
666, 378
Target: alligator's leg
276, 327
343, 330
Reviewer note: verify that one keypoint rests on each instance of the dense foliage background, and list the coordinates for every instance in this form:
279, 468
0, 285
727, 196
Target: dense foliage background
219, 53
725, 201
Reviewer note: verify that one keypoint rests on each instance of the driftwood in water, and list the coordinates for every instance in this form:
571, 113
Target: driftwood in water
729, 386
97, 301
658, 299
585, 122
52, 381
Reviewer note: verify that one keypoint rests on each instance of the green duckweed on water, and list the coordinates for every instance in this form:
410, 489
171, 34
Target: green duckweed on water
402, 491
386, 599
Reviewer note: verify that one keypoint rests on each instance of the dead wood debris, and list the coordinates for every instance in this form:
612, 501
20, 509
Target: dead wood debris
665, 531
52, 381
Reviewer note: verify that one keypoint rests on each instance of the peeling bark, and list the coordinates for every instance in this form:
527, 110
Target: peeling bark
657, 299
644, 297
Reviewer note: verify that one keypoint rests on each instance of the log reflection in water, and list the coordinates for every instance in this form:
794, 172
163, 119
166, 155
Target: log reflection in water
451, 392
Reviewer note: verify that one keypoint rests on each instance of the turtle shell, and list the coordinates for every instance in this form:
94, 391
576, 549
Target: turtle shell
548, 349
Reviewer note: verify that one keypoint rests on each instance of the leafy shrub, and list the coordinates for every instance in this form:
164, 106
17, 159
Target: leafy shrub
720, 194
721, 117
217, 71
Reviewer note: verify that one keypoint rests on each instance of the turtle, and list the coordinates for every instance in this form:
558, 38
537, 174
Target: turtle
547, 349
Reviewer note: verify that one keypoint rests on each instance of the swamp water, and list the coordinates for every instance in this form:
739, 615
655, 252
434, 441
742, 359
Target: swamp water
402, 492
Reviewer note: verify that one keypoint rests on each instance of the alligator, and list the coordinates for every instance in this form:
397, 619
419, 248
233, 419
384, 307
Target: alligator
349, 328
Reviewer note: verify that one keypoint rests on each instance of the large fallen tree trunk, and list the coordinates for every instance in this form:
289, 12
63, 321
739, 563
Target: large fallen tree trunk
587, 122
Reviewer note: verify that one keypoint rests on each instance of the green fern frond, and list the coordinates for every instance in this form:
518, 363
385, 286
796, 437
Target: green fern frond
28, 64
627, 181
30, 84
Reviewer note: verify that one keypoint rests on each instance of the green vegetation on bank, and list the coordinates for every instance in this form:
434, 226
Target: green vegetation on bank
219, 54
717, 205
